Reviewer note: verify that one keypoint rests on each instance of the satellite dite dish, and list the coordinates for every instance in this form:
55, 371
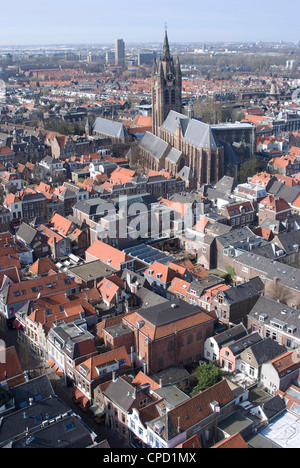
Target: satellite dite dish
2, 92
295, 356
2, 352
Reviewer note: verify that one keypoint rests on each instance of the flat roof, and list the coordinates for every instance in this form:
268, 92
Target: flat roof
284, 431
234, 423
92, 271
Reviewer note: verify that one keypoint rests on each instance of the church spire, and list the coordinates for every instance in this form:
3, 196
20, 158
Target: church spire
166, 49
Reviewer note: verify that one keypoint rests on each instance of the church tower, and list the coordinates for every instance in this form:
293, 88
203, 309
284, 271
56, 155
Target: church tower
166, 87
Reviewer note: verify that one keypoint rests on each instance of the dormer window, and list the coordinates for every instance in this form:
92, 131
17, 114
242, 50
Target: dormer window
291, 329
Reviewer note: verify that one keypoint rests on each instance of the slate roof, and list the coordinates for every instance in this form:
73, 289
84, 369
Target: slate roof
37, 388
287, 275
273, 407
121, 392
149, 298
89, 207
237, 235
26, 233
225, 184
186, 173
238, 346
243, 291
288, 193
69, 432
266, 350
195, 132
153, 145
174, 155
288, 240
234, 333
164, 313
203, 283
274, 310
110, 128
273, 224
16, 423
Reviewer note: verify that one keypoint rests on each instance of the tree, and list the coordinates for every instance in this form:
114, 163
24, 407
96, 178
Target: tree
207, 375
249, 168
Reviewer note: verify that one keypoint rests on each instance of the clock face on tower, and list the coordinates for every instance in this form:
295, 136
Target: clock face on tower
170, 78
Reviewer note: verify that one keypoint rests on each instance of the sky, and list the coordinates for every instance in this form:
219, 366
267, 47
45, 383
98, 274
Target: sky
33, 22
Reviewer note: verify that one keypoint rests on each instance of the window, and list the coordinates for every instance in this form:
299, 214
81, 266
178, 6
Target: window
170, 346
173, 96
167, 97
69, 427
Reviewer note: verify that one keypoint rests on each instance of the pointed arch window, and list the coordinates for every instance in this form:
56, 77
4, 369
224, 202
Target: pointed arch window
173, 97
167, 96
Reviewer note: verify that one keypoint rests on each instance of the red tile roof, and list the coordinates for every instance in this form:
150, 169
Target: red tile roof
61, 224
42, 266
192, 443
274, 204
11, 367
39, 287
178, 286
122, 175
108, 290
233, 441
92, 363
108, 254
160, 271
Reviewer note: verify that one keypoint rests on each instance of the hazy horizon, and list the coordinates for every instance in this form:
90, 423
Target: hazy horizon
92, 22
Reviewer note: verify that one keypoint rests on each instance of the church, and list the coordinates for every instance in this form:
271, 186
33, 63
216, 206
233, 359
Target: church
178, 142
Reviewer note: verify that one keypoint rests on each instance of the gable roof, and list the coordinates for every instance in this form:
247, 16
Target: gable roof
153, 145
195, 132
11, 367
61, 224
192, 411
42, 286
266, 350
91, 364
167, 318
42, 266
110, 128
234, 333
26, 233
233, 441
160, 271
273, 204
108, 254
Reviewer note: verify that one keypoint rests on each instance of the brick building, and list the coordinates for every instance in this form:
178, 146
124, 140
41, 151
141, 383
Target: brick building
169, 334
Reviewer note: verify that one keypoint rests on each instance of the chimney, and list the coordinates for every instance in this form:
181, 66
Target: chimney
114, 377
178, 425
160, 382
